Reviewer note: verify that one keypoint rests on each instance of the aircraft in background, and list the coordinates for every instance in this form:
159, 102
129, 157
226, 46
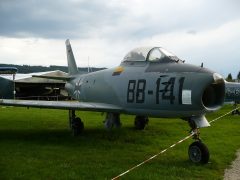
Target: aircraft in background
149, 82
232, 92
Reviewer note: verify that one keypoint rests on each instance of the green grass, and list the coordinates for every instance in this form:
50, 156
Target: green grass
37, 144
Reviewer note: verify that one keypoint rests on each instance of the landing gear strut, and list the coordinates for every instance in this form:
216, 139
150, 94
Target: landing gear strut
112, 120
197, 151
140, 122
75, 123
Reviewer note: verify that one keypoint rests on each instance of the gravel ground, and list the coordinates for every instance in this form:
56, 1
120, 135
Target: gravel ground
234, 172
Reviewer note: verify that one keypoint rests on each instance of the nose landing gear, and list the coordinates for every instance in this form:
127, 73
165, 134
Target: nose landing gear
197, 151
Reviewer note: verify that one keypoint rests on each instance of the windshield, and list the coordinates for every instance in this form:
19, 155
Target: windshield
167, 53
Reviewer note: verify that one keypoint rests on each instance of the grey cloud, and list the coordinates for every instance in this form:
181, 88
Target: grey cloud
54, 19
208, 15
193, 32
84, 19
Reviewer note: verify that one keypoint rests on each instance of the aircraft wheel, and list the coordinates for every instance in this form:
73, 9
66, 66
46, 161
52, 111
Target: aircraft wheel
77, 126
198, 152
140, 122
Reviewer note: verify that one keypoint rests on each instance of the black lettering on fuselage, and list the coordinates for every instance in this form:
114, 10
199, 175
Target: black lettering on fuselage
164, 89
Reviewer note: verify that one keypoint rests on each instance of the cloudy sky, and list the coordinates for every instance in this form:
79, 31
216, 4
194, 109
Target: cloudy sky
33, 32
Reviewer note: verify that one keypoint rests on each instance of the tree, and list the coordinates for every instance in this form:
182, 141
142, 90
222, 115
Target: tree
238, 76
229, 77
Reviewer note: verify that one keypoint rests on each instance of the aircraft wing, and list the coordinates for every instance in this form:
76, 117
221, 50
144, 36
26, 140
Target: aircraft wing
73, 105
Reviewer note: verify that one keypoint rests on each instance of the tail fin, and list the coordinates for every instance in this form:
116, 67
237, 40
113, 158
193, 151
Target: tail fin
72, 67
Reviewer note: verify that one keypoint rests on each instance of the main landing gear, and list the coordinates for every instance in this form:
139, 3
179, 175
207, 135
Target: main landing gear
112, 120
197, 151
75, 123
140, 122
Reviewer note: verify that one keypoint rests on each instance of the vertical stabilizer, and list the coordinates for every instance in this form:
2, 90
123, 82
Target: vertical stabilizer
72, 67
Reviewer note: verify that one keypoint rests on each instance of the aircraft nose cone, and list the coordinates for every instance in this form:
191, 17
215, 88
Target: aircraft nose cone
214, 93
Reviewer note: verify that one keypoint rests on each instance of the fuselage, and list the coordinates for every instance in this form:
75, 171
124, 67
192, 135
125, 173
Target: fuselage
169, 89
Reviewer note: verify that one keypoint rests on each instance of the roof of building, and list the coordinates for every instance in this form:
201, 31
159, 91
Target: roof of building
27, 78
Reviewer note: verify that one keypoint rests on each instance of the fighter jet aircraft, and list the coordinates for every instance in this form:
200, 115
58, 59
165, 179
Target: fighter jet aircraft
149, 82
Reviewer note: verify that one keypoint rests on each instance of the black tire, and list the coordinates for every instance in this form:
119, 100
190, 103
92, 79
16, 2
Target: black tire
77, 126
198, 153
140, 122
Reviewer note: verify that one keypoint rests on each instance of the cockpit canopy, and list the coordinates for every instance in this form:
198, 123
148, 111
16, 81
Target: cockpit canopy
150, 54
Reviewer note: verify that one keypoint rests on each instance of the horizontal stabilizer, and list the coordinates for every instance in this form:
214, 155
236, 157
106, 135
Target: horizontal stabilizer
64, 78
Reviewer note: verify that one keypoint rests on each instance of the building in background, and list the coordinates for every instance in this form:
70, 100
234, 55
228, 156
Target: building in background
28, 87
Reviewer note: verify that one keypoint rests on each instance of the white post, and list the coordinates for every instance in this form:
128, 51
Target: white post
14, 91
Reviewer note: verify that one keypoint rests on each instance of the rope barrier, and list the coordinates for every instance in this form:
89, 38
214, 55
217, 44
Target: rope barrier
170, 147
223, 115
163, 151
